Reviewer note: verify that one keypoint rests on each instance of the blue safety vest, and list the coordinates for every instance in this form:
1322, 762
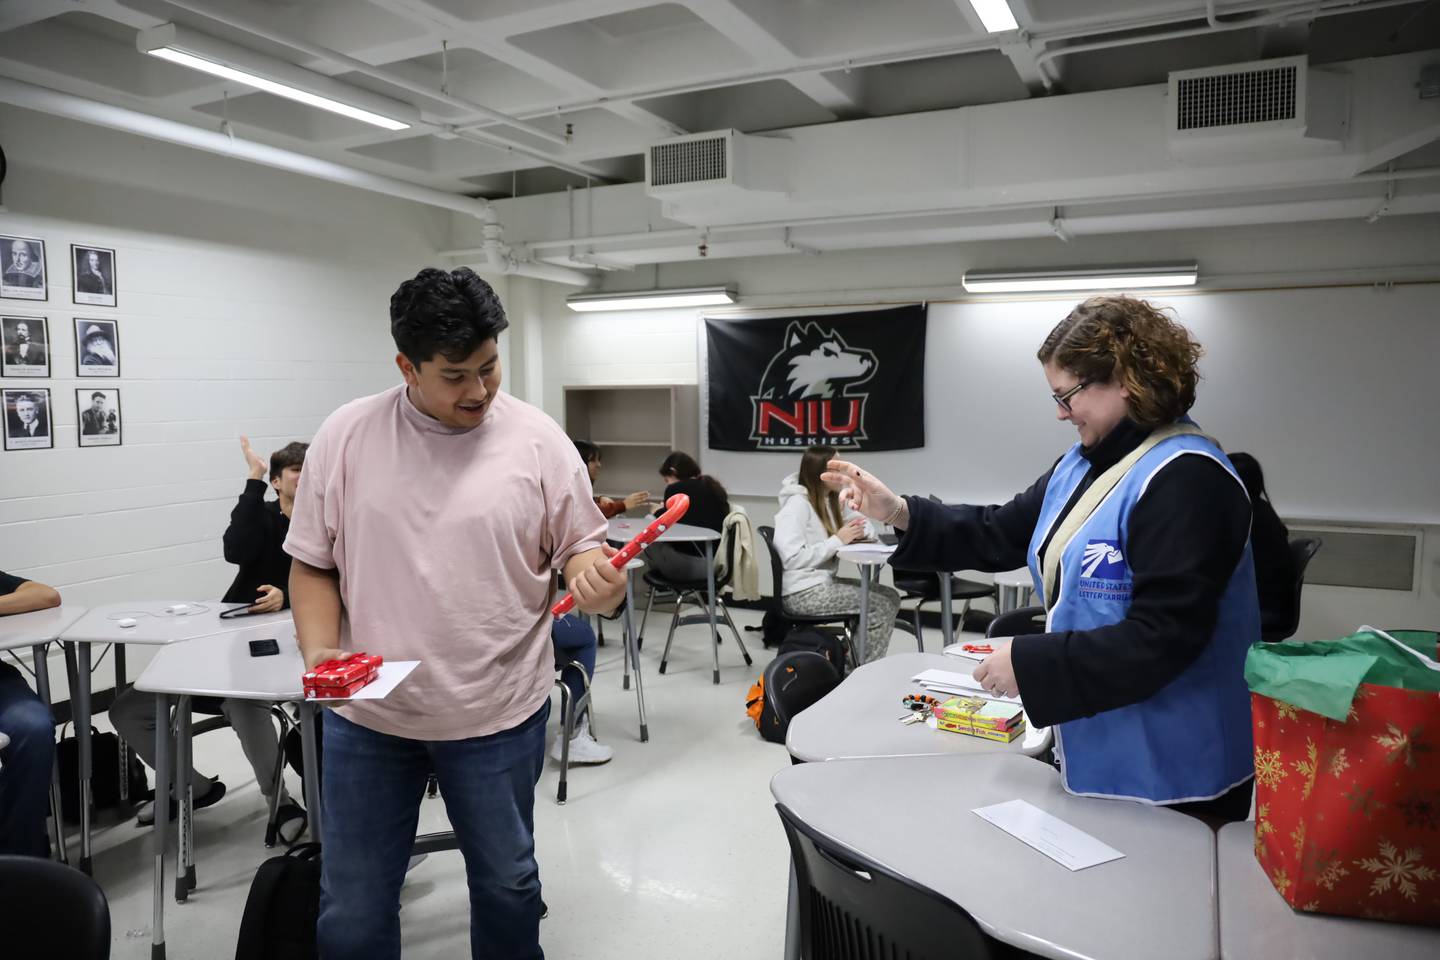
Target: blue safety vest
1191, 740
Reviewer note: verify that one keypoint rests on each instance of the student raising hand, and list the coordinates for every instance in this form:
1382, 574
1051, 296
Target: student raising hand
256, 463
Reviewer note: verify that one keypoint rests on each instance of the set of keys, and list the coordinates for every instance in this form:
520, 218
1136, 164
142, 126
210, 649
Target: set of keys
920, 705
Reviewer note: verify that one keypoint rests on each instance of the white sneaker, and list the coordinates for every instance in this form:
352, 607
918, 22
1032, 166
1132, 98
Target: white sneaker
584, 748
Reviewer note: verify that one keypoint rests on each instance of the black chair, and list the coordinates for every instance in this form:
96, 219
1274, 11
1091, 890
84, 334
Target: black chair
924, 588
1302, 551
852, 908
570, 707
699, 593
848, 621
51, 910
1017, 623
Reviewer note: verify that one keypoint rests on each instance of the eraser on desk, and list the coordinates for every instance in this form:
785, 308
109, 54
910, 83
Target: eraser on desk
179, 609
125, 622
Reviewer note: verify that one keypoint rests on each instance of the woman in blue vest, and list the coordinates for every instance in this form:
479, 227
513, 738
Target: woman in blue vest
1138, 541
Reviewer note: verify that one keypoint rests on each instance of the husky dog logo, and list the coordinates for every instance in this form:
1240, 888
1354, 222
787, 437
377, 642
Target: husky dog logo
1103, 561
805, 394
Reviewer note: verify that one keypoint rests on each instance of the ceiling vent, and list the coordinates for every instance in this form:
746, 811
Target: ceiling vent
714, 165
1277, 108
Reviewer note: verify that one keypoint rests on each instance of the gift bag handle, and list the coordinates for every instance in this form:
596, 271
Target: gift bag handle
1429, 663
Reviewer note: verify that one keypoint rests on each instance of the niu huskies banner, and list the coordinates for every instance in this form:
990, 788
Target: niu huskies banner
855, 381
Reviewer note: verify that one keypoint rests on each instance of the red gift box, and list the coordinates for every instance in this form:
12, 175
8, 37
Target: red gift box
1348, 812
337, 679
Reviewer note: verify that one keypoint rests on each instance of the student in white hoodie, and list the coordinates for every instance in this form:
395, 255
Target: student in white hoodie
809, 530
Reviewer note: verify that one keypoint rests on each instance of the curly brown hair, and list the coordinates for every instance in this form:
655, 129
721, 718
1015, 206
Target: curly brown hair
1122, 339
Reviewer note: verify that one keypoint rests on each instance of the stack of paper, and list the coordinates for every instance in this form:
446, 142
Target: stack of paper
946, 681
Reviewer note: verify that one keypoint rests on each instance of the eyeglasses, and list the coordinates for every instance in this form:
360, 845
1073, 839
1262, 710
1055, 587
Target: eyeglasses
1063, 399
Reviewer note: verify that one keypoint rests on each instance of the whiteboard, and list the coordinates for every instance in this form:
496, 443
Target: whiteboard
1330, 388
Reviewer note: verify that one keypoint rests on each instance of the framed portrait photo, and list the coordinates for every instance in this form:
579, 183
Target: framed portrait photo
24, 347
93, 278
97, 348
97, 417
27, 419
24, 276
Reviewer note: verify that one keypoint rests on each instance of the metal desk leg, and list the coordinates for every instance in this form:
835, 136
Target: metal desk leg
160, 831
631, 653
862, 634
947, 610
1009, 598
710, 586
80, 700
310, 756
39, 659
125, 808
184, 858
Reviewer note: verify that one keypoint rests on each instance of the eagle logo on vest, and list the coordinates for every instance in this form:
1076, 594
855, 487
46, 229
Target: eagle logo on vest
1103, 573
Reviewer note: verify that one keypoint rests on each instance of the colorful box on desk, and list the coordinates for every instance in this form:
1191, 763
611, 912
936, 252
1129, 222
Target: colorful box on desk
978, 717
338, 679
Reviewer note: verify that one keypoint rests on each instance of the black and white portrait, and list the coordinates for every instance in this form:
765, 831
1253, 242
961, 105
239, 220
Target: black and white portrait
97, 348
98, 417
27, 419
24, 260
26, 347
94, 276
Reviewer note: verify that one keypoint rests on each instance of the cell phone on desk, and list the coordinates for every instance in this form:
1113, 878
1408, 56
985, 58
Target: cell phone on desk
264, 648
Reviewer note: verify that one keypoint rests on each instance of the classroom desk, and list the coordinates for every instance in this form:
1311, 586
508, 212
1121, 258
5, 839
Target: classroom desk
154, 627
623, 530
869, 557
860, 718
1015, 589
1257, 924
37, 630
1157, 901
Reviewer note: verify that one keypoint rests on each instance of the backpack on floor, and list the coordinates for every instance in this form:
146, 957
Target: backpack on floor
283, 906
790, 683
773, 628
815, 640
104, 774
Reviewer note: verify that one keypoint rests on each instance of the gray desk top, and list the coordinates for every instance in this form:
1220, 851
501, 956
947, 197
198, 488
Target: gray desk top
623, 530
1157, 901
1255, 922
860, 718
39, 626
221, 666
1015, 578
155, 627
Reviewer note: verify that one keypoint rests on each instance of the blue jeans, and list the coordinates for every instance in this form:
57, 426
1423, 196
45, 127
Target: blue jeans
372, 784
574, 640
24, 766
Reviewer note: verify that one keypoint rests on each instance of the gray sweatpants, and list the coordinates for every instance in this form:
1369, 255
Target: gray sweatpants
843, 597
133, 714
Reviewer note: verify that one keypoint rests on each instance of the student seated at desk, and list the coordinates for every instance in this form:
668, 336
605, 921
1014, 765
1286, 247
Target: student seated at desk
1137, 538
573, 639
810, 529
26, 761
709, 504
255, 541
609, 506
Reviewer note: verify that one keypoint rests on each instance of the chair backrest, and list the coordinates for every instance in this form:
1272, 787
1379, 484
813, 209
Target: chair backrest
852, 908
777, 571
1302, 551
54, 909
1017, 623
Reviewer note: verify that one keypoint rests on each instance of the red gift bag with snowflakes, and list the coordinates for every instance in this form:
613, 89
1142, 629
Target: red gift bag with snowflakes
1348, 807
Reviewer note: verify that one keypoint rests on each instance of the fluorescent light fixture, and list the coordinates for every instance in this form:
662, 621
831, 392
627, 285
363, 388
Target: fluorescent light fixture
995, 15
651, 299
230, 62
1091, 278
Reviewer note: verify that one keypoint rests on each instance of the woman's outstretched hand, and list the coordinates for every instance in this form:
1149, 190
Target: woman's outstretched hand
865, 493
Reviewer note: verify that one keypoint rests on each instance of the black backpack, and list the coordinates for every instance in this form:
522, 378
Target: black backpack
104, 774
790, 683
283, 906
815, 640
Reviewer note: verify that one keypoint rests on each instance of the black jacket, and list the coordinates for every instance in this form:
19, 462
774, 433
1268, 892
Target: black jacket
1186, 534
255, 540
706, 509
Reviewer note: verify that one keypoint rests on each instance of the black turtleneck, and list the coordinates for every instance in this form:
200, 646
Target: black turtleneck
1185, 536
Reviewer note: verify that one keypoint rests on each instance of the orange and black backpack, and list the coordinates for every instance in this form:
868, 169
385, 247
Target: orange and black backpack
790, 683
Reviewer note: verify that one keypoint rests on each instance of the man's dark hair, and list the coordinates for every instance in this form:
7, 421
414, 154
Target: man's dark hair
290, 455
446, 313
589, 453
97, 395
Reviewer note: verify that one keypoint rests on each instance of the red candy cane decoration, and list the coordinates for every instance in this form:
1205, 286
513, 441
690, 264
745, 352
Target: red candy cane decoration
675, 508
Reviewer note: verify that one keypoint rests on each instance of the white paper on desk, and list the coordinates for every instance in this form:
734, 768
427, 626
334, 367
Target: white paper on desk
391, 673
1058, 840
960, 684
